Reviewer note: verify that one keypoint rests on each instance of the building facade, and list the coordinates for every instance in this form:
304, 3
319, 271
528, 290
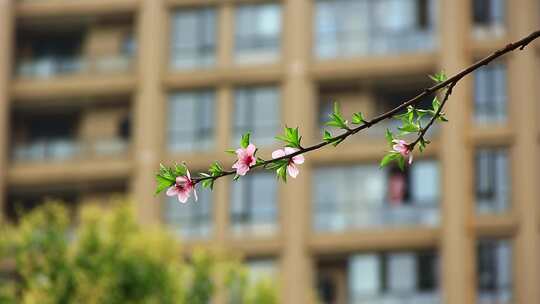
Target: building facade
94, 94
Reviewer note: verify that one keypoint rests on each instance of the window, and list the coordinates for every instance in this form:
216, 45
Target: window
192, 220
492, 180
494, 271
257, 111
393, 276
254, 205
490, 94
258, 30
366, 196
193, 40
489, 18
345, 28
191, 121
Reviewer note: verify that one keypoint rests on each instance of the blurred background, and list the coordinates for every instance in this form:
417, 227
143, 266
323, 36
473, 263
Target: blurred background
95, 93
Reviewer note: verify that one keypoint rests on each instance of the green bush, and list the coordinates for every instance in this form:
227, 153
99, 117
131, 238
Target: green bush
111, 259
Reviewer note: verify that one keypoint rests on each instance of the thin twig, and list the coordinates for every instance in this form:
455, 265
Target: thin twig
449, 83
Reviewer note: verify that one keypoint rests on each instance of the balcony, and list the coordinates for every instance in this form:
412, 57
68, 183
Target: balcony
48, 67
355, 216
366, 197
360, 28
68, 149
80, 56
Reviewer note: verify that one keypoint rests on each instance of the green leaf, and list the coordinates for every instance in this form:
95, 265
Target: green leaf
388, 158
336, 119
401, 162
410, 128
215, 169
163, 183
389, 136
231, 151
291, 138
436, 104
358, 118
327, 136
208, 183
180, 170
439, 77
281, 173
333, 123
244, 142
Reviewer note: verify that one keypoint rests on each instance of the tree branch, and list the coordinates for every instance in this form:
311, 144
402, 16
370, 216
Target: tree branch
450, 83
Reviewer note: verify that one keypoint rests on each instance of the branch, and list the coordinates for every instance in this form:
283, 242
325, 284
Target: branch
449, 84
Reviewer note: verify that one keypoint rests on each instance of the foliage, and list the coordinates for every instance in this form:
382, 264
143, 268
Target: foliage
108, 259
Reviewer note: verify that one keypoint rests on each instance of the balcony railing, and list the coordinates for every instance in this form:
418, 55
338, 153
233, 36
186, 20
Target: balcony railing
389, 43
48, 67
398, 298
351, 216
66, 149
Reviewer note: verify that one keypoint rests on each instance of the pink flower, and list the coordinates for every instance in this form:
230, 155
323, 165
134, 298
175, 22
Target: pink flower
246, 159
292, 169
182, 188
403, 148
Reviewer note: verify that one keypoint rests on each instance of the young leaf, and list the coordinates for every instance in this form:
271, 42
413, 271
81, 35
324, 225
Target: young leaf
358, 118
291, 138
327, 136
231, 151
244, 142
389, 137
281, 173
388, 158
162, 183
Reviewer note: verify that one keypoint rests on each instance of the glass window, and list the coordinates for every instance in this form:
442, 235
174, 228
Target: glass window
258, 30
193, 38
256, 110
490, 94
191, 220
489, 18
494, 271
492, 181
191, 121
254, 205
345, 28
366, 196
393, 277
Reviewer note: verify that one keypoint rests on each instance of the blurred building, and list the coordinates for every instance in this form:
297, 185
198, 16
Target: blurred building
95, 93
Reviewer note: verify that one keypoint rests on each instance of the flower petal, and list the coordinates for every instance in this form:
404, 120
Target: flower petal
195, 194
293, 170
242, 169
183, 196
181, 179
298, 159
278, 153
410, 158
172, 191
289, 150
250, 150
188, 175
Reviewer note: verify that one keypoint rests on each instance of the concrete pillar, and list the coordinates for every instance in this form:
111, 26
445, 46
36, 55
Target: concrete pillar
457, 242
298, 108
149, 107
6, 59
523, 108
